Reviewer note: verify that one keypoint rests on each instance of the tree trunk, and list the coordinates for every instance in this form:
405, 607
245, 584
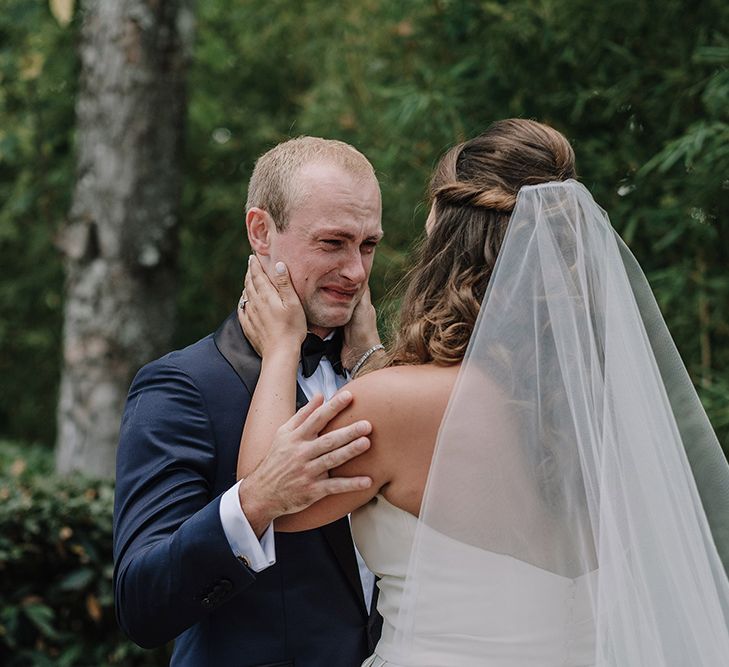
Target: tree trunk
120, 241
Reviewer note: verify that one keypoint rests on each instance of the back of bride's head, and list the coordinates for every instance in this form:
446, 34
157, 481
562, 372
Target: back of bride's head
473, 192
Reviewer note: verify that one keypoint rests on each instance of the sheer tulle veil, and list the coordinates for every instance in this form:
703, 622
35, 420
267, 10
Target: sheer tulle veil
574, 442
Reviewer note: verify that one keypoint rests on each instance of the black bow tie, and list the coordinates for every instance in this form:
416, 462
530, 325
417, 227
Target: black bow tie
314, 348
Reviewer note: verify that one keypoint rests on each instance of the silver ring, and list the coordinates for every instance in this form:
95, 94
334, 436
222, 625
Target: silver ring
242, 302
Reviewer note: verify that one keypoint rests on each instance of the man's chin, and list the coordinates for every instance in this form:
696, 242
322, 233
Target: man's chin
333, 318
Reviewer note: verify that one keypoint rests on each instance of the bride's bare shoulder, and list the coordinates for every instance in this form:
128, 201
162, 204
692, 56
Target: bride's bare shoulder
404, 405
436, 377
401, 393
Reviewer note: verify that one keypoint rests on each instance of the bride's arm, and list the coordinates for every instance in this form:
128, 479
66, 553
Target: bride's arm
274, 323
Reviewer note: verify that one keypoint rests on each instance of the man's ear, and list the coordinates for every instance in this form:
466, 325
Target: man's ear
260, 226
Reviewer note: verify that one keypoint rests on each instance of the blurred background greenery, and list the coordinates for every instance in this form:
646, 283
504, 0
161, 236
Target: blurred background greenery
640, 88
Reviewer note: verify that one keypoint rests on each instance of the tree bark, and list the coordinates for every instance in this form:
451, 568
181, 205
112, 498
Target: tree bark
120, 241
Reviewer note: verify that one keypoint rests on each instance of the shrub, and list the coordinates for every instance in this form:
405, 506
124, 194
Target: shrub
56, 601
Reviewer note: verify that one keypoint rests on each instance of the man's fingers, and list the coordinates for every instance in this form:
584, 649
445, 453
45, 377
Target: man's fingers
301, 415
324, 414
327, 487
341, 436
336, 457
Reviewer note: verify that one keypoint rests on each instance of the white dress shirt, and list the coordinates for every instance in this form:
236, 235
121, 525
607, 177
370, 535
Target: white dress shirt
259, 555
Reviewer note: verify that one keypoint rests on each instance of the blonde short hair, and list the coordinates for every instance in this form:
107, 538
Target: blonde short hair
273, 186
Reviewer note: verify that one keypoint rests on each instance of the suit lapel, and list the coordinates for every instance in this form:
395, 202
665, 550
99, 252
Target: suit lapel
239, 353
234, 346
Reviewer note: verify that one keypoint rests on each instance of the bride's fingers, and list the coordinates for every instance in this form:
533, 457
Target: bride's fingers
285, 288
260, 280
257, 304
250, 285
366, 300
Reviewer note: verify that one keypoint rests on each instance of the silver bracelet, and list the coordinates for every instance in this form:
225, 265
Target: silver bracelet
365, 357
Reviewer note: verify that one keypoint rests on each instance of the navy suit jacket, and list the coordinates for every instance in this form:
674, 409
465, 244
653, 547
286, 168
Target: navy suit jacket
175, 575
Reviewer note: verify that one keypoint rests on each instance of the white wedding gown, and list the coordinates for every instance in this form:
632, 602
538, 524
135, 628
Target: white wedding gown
460, 625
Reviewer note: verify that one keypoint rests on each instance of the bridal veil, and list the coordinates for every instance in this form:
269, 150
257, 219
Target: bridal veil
574, 443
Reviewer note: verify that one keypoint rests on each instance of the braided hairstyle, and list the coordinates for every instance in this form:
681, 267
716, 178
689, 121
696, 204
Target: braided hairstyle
473, 193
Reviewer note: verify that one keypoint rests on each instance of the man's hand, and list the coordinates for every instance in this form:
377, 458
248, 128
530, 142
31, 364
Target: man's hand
360, 333
295, 472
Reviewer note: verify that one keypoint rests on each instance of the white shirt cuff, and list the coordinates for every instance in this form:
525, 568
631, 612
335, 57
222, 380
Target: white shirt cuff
255, 554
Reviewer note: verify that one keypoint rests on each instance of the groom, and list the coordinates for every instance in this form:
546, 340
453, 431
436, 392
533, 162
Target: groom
196, 558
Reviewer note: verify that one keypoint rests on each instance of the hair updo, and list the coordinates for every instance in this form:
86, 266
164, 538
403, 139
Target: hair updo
473, 192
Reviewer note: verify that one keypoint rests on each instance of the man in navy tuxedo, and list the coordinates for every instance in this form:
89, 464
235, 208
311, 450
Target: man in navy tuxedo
196, 559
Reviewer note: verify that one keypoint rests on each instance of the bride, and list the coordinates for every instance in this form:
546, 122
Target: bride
546, 488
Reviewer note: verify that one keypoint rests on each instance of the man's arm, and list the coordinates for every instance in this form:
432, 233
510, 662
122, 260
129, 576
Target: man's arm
173, 561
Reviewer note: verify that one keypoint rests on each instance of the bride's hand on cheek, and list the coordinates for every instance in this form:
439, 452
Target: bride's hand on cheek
360, 333
272, 317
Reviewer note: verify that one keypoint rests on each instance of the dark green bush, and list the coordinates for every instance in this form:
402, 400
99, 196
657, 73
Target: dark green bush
56, 602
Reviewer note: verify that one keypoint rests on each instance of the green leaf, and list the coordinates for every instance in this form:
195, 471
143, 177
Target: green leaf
77, 580
714, 55
42, 617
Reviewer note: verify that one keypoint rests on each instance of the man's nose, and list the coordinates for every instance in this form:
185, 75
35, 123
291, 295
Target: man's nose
354, 269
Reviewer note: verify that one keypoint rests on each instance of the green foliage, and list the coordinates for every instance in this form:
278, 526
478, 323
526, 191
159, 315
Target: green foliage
38, 80
243, 90
56, 602
641, 89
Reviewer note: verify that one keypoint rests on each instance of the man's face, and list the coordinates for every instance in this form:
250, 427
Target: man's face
329, 243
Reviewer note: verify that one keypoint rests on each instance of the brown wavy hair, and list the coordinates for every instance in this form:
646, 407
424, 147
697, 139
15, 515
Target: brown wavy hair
473, 192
